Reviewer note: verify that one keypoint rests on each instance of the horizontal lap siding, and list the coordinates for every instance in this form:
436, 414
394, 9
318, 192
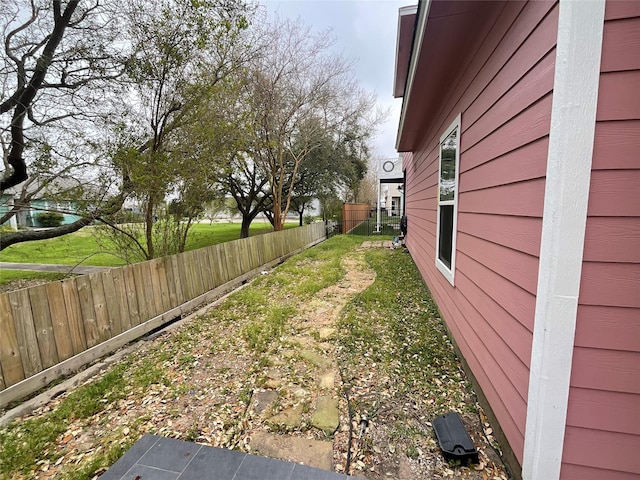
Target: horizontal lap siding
603, 420
505, 99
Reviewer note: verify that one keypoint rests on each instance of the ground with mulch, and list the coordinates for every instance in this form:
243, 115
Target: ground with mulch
341, 345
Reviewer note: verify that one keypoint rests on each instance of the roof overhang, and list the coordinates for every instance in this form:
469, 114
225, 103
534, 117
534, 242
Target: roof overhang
406, 27
445, 36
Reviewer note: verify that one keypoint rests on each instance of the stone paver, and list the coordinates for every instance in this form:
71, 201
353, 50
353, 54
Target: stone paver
290, 417
262, 400
327, 379
315, 359
326, 416
314, 453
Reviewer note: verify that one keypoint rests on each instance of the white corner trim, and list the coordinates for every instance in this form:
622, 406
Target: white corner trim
421, 26
573, 116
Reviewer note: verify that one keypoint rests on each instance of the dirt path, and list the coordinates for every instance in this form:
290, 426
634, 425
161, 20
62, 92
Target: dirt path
300, 406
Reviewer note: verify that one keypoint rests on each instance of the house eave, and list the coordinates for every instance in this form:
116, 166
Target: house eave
406, 27
445, 33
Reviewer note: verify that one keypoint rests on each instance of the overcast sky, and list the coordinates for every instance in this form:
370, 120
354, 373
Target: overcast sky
366, 31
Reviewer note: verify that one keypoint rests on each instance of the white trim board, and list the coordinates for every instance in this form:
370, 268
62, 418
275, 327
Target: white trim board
573, 116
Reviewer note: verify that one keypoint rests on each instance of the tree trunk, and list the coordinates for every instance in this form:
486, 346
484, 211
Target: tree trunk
277, 216
300, 214
149, 228
244, 229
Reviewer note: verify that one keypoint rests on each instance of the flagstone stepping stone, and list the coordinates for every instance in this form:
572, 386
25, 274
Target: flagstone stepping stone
315, 359
315, 453
326, 416
327, 379
326, 332
290, 417
262, 400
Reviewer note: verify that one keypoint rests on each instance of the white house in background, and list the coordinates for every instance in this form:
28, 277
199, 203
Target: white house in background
390, 186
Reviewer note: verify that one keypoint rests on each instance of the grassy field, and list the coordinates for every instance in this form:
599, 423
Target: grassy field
7, 276
81, 248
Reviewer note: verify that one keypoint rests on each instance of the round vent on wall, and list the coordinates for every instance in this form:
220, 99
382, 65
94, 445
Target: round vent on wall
388, 166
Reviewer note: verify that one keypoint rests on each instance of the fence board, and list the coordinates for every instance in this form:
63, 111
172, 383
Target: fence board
187, 287
245, 255
10, 358
154, 276
59, 321
262, 253
214, 262
103, 322
186, 272
197, 273
231, 256
123, 323
207, 271
164, 286
176, 283
132, 297
138, 276
222, 263
256, 261
85, 296
25, 331
74, 315
111, 302
200, 272
43, 327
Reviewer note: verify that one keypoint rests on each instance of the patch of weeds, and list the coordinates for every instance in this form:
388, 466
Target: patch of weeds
264, 362
261, 331
412, 451
88, 470
149, 373
192, 433
186, 359
25, 442
394, 329
245, 395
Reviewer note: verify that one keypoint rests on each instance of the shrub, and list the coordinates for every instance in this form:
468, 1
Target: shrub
50, 219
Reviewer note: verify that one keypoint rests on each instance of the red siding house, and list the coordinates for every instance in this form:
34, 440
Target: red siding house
520, 129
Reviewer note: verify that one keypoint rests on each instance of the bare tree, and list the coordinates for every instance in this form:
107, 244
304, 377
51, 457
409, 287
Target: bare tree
58, 59
298, 91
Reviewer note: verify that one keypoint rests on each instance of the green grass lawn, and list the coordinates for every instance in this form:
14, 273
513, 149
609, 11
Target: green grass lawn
7, 276
81, 247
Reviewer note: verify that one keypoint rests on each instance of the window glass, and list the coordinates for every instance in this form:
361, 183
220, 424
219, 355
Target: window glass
449, 158
448, 166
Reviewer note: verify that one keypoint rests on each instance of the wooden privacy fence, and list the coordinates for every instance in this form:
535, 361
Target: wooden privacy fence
353, 214
51, 330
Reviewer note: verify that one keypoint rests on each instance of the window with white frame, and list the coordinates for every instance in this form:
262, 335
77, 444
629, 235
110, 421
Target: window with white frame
449, 160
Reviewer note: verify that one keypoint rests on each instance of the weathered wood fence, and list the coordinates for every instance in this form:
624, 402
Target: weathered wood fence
51, 330
353, 214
